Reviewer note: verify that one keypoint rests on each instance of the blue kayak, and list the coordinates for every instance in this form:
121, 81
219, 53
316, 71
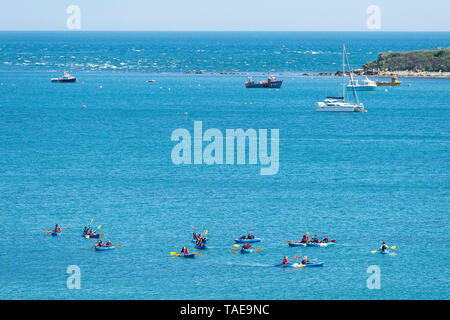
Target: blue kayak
247, 240
204, 247
320, 244
91, 236
246, 250
104, 248
383, 252
297, 244
56, 234
191, 255
299, 265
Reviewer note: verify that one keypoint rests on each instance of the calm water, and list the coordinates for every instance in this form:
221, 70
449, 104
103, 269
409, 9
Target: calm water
358, 178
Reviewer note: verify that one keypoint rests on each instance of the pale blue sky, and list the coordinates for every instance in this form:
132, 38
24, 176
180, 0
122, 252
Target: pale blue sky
295, 15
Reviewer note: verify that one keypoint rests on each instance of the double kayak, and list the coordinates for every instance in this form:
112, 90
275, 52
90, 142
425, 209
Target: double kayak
203, 247
91, 236
246, 250
247, 240
190, 255
104, 248
320, 244
299, 265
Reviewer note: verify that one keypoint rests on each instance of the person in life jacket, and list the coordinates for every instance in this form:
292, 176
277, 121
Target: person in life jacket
100, 244
250, 236
199, 243
315, 239
285, 260
325, 240
184, 250
86, 231
57, 228
305, 260
246, 246
108, 243
384, 246
304, 239
196, 234
92, 232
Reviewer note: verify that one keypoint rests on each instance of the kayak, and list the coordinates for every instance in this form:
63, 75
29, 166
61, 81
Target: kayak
383, 252
297, 244
320, 244
246, 250
204, 240
299, 265
56, 234
91, 236
247, 240
104, 248
191, 255
204, 247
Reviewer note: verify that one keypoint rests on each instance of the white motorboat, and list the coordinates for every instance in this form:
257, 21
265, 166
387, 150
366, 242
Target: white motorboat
365, 85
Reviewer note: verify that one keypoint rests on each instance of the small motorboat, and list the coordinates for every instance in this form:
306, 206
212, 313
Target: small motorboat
394, 82
271, 82
65, 78
365, 85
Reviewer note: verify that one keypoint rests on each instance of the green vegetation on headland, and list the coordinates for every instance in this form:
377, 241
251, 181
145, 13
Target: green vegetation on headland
415, 61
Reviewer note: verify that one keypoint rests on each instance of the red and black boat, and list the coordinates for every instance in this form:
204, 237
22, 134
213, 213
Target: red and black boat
271, 82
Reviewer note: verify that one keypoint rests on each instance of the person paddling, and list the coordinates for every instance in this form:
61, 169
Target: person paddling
250, 236
384, 247
184, 250
100, 244
108, 243
57, 228
92, 232
325, 240
304, 239
305, 260
86, 230
246, 246
315, 239
285, 260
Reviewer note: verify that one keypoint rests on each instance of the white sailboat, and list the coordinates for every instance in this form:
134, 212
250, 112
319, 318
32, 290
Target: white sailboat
339, 104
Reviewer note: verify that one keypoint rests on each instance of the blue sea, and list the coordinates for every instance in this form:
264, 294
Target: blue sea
358, 178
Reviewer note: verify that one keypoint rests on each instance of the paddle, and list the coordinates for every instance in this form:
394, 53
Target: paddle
236, 245
175, 254
199, 254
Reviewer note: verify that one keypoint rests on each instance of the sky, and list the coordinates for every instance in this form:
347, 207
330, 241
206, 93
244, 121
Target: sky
228, 15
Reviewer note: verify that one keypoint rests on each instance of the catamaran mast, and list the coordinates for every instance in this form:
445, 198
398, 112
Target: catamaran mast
343, 72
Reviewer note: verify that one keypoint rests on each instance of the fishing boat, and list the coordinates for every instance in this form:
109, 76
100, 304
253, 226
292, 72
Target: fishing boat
339, 104
65, 78
365, 85
271, 82
394, 82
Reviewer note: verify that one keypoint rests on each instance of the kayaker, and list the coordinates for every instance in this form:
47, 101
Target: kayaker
304, 239
305, 260
57, 228
108, 243
285, 260
184, 250
200, 243
196, 234
250, 236
315, 239
100, 244
86, 230
325, 240
246, 246
384, 246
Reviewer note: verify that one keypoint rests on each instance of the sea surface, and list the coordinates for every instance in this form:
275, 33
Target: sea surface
358, 178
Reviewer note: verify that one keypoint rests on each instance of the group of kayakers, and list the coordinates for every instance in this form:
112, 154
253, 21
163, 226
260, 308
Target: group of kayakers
304, 260
101, 245
249, 237
315, 239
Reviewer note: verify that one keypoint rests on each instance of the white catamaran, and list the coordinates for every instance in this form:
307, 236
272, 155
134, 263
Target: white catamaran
339, 104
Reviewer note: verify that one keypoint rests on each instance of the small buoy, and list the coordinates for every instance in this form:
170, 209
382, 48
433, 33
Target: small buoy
100, 87
365, 110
